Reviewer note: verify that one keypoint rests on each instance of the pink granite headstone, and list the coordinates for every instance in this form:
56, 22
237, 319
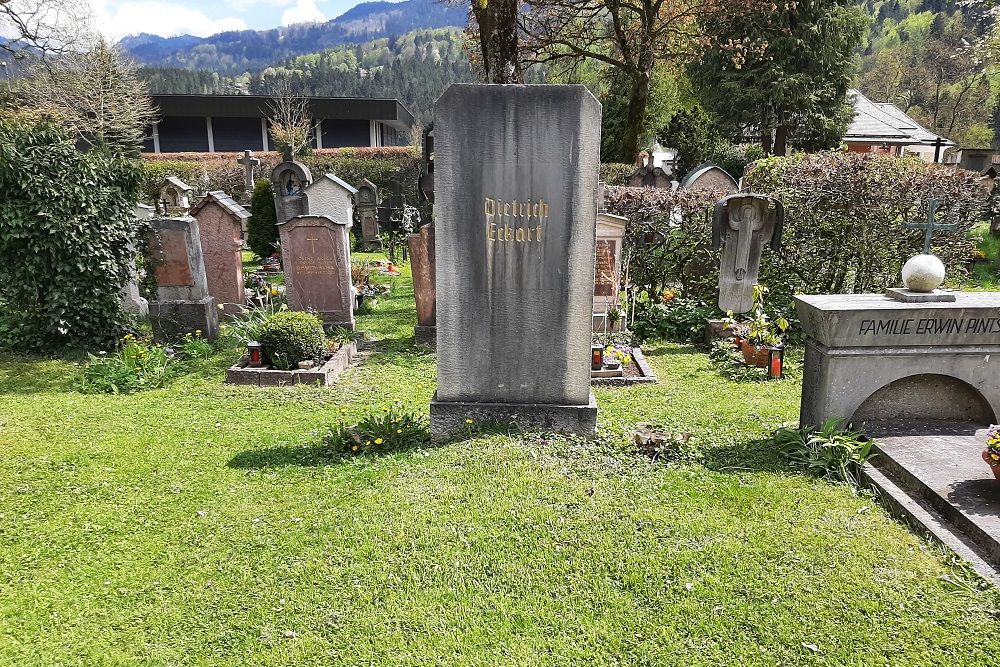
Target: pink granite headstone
316, 253
220, 220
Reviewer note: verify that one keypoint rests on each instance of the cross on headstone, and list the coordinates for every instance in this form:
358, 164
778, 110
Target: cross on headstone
929, 226
250, 163
312, 241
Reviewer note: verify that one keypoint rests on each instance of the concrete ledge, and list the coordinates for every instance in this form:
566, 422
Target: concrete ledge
241, 373
648, 375
448, 419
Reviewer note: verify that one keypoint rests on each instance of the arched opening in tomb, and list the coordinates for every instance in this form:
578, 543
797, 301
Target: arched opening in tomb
926, 397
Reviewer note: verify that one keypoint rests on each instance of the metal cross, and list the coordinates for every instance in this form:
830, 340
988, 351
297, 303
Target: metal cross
929, 226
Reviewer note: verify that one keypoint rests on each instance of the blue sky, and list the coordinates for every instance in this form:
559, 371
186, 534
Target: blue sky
117, 18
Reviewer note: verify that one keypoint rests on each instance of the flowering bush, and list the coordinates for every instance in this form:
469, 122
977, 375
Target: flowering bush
620, 353
392, 429
993, 443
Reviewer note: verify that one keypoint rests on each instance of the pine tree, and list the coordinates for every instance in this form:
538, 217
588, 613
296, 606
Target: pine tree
262, 228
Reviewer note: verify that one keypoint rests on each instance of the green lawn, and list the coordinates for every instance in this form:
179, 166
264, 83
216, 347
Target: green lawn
202, 524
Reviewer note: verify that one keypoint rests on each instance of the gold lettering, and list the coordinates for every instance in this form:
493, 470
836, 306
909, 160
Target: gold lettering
491, 231
538, 233
491, 210
543, 210
519, 234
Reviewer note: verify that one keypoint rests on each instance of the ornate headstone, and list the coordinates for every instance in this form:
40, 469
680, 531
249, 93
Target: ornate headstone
288, 183
366, 203
923, 274
220, 221
646, 175
708, 176
422, 265
175, 196
607, 267
316, 253
183, 304
332, 197
514, 246
249, 163
742, 224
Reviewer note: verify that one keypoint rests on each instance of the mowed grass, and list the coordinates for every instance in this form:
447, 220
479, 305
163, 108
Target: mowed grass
204, 524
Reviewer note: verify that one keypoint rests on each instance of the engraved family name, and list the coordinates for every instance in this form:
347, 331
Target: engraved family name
930, 326
516, 221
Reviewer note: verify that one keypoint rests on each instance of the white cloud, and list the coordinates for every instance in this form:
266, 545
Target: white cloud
158, 18
304, 11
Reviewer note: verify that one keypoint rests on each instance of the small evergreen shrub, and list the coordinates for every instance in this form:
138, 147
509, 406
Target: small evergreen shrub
677, 319
288, 337
262, 228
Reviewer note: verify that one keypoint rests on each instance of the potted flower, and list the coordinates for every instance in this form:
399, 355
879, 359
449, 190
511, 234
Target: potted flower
992, 452
762, 333
615, 356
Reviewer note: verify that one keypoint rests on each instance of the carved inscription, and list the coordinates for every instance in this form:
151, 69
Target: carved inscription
604, 273
930, 326
515, 221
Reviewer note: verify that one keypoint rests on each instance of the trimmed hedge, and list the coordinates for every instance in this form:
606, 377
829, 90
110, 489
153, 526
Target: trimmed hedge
288, 337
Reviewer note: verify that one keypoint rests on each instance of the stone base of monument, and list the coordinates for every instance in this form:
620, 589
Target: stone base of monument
172, 319
930, 474
448, 418
637, 372
909, 296
242, 373
425, 336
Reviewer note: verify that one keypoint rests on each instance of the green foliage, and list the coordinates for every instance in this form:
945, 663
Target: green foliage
136, 367
154, 172
288, 337
679, 319
66, 239
393, 429
616, 173
246, 328
193, 347
735, 158
829, 451
696, 135
262, 229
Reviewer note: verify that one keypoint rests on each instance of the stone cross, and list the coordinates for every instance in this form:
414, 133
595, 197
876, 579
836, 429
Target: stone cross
250, 163
929, 226
742, 224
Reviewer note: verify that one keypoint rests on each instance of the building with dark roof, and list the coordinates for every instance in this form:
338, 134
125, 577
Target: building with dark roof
882, 127
227, 123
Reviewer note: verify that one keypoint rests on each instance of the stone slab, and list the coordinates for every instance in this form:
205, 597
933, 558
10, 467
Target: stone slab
647, 375
516, 171
170, 320
316, 254
241, 373
938, 465
448, 418
909, 296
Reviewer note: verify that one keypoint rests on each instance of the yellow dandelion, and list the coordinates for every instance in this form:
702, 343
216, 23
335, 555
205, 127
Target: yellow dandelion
355, 448
399, 430
378, 441
468, 421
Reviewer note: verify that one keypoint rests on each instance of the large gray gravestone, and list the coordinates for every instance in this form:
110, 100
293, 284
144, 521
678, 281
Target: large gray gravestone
872, 358
332, 197
514, 246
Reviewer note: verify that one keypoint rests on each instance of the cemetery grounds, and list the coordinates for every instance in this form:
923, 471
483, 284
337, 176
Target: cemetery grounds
205, 524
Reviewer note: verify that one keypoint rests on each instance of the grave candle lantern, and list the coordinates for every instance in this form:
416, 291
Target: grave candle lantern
775, 363
596, 357
254, 352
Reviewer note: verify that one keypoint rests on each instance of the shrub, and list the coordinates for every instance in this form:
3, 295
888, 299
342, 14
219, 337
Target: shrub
288, 337
392, 430
680, 319
136, 367
829, 451
616, 173
66, 239
262, 229
735, 158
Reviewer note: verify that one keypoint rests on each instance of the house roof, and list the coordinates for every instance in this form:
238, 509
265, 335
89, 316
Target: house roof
886, 123
223, 200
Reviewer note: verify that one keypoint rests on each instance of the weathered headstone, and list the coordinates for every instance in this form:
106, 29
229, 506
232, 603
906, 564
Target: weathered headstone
249, 162
422, 265
175, 196
708, 176
514, 246
316, 253
220, 221
647, 174
741, 226
366, 203
131, 298
288, 183
607, 268
332, 197
183, 304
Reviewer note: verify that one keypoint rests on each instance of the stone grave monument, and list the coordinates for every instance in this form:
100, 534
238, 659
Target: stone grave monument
647, 175
608, 269
316, 254
183, 304
707, 176
332, 197
742, 224
288, 183
514, 246
250, 163
923, 274
175, 196
366, 204
422, 265
220, 222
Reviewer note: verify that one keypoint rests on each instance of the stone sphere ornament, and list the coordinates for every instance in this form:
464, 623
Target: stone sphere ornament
923, 273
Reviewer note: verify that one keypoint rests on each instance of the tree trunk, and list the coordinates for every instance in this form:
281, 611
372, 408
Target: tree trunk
765, 139
635, 115
781, 140
498, 41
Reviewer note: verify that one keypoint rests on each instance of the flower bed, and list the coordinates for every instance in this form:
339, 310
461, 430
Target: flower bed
339, 361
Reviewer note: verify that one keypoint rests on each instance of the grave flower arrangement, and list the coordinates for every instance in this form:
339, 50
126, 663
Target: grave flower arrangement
617, 355
992, 452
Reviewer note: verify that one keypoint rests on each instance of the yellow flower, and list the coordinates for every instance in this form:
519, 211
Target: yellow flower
468, 421
378, 441
355, 448
368, 442
399, 430
995, 457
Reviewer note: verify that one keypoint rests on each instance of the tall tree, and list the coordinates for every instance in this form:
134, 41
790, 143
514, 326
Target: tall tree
782, 74
631, 36
494, 30
43, 26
